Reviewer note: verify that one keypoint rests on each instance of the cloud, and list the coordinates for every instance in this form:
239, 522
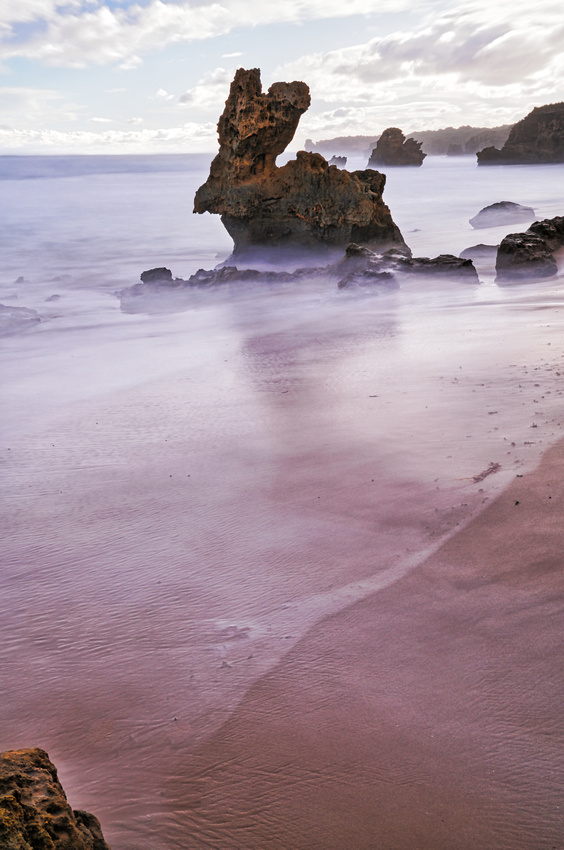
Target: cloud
189, 137
101, 120
481, 58
23, 106
210, 92
76, 35
162, 94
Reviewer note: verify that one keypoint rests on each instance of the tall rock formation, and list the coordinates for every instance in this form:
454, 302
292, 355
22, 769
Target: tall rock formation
537, 138
305, 203
393, 148
34, 812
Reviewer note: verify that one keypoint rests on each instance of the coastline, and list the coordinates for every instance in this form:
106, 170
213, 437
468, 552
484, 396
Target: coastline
438, 698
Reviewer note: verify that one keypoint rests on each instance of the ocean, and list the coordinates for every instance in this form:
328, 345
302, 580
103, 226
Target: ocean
190, 486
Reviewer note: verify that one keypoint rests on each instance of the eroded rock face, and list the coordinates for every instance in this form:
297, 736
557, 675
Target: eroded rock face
530, 255
304, 203
393, 148
537, 138
34, 812
504, 212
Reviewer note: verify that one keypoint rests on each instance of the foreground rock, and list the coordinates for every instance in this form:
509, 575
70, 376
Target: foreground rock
530, 255
34, 812
393, 148
537, 138
504, 212
305, 203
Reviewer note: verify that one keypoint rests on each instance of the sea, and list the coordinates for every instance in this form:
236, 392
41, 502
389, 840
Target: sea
190, 484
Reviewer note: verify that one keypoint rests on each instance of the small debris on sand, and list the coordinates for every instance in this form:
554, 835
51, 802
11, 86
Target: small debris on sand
493, 467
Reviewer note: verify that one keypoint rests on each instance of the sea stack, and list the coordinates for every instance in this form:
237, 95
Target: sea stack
537, 138
392, 148
304, 204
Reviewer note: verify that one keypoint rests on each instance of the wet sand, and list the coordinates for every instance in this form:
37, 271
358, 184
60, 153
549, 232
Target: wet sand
428, 715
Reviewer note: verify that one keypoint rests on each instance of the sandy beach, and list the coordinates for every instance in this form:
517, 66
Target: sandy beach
425, 716
256, 588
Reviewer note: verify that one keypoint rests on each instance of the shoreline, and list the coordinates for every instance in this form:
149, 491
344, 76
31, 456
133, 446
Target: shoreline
439, 699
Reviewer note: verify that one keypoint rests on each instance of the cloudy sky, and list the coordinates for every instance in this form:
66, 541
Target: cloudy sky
152, 75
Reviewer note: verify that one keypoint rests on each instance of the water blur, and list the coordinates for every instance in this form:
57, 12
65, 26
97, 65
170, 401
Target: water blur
188, 488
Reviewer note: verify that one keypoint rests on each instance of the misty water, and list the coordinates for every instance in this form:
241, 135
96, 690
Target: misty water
190, 484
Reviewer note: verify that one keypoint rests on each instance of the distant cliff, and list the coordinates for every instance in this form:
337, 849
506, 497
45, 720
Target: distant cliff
461, 140
537, 138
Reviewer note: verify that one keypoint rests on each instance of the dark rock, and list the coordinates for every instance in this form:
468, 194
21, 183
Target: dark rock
34, 812
361, 266
393, 148
504, 212
522, 256
445, 265
339, 161
479, 252
537, 138
306, 202
161, 276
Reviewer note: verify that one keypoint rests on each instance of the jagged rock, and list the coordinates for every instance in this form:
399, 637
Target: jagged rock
537, 138
339, 161
34, 812
393, 148
306, 202
504, 212
445, 265
522, 256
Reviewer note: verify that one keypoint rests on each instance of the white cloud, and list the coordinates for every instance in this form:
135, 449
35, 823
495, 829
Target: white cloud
496, 59
25, 107
75, 36
162, 94
210, 92
101, 120
190, 137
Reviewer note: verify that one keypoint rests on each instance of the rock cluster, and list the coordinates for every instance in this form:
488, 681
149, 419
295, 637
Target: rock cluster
537, 138
34, 812
504, 212
305, 203
359, 267
393, 148
522, 256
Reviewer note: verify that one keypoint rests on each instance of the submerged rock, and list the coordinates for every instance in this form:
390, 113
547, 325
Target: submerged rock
34, 812
15, 319
537, 138
530, 255
306, 202
479, 252
393, 148
504, 212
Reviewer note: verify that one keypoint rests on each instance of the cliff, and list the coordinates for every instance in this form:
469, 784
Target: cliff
34, 812
537, 138
306, 202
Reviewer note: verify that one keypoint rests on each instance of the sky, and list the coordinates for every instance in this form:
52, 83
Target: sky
114, 76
